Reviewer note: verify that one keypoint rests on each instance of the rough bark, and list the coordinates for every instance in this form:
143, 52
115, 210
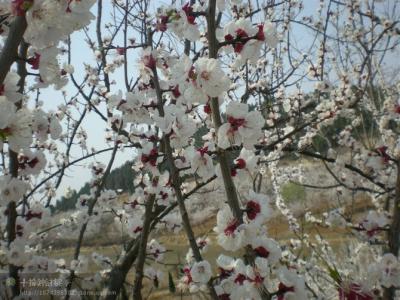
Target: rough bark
13, 156
176, 184
137, 287
394, 233
9, 52
230, 189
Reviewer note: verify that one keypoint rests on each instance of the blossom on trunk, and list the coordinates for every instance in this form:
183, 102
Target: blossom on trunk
242, 126
231, 234
210, 77
267, 248
291, 285
15, 127
201, 272
200, 162
257, 208
11, 189
10, 87
30, 162
389, 267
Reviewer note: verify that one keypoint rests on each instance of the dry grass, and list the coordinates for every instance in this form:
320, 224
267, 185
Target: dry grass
177, 246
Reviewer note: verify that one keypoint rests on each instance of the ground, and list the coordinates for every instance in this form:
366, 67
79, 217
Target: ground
177, 247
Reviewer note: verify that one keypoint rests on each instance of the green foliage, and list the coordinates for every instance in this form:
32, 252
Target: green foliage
119, 179
335, 275
327, 136
171, 284
292, 192
367, 130
198, 141
122, 178
320, 144
68, 202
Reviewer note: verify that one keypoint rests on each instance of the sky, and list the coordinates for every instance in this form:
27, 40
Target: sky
76, 176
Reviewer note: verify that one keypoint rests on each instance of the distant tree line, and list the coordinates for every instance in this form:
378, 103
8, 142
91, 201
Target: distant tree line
120, 178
